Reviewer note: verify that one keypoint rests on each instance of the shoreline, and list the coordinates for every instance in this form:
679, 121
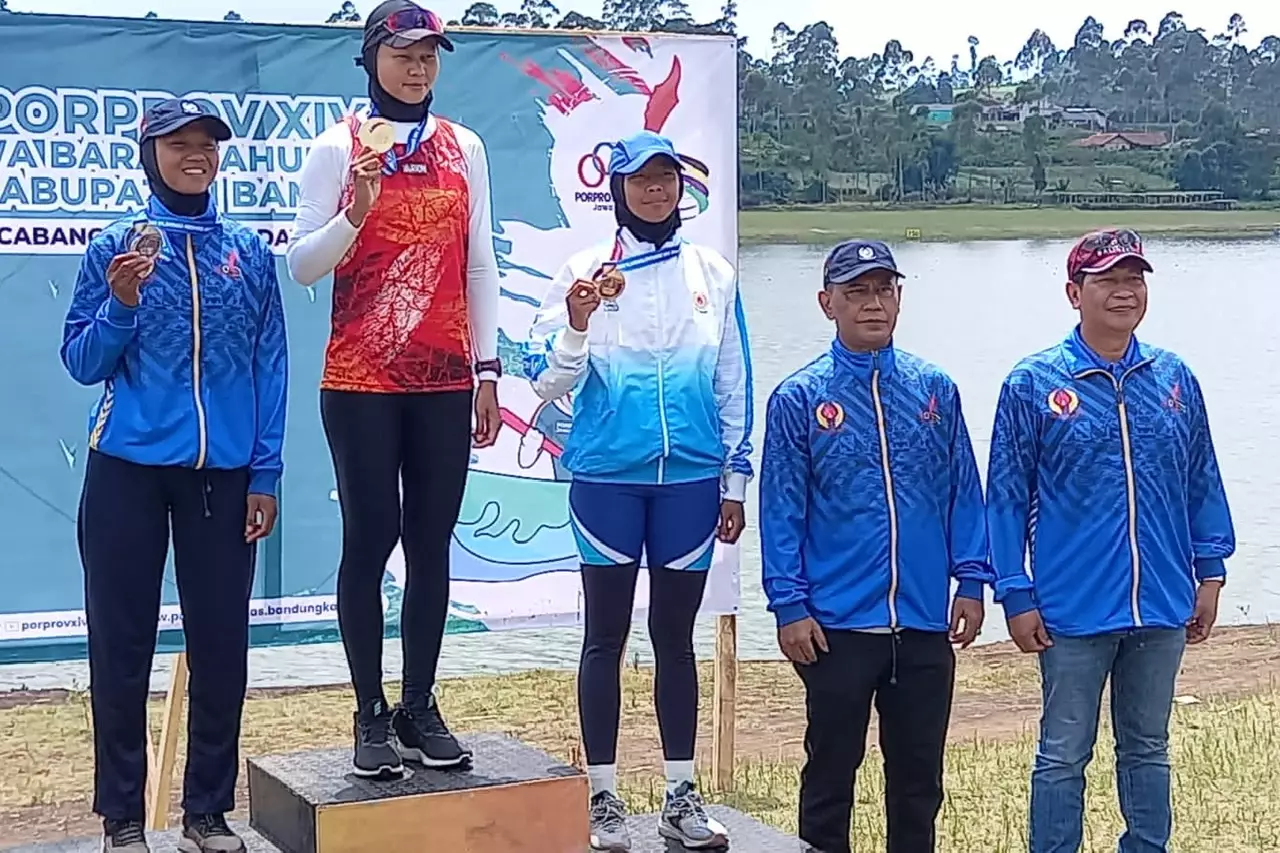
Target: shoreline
1229, 693
979, 222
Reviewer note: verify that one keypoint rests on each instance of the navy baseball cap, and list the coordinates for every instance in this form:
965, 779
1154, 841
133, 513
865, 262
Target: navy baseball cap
168, 116
853, 258
629, 155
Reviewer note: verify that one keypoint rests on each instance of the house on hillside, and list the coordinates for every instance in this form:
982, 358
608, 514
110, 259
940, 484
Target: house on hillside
1123, 140
1084, 118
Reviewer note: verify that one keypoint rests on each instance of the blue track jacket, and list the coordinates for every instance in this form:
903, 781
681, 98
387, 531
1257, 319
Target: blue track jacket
661, 379
196, 374
1106, 473
870, 500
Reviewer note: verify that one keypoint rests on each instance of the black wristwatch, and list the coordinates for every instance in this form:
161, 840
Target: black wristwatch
493, 365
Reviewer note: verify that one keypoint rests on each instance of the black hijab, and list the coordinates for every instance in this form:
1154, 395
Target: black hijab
657, 233
390, 108
179, 204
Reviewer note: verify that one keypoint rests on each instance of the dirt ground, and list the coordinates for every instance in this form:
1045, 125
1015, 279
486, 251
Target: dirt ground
997, 697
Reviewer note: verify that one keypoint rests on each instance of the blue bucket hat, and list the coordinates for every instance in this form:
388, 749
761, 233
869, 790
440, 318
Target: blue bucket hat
629, 155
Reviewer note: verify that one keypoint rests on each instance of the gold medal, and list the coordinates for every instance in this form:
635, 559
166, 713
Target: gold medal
147, 240
377, 135
610, 281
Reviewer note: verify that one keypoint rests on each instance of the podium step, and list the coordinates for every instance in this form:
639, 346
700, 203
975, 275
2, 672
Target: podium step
161, 842
514, 799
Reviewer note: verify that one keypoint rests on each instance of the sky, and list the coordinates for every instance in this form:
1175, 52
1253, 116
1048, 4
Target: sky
937, 28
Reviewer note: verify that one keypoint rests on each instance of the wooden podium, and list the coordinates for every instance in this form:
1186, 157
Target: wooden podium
515, 799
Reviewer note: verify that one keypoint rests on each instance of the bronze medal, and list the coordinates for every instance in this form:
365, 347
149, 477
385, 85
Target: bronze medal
377, 135
147, 240
610, 281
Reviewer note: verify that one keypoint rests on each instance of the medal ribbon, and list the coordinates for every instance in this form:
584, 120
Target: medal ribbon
186, 226
391, 162
647, 259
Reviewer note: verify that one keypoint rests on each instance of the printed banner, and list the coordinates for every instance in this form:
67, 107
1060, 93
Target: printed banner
72, 92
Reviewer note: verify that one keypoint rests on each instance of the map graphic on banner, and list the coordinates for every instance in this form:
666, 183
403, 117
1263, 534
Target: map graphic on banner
72, 91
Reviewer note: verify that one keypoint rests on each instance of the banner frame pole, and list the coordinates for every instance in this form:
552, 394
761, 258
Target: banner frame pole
164, 754
725, 703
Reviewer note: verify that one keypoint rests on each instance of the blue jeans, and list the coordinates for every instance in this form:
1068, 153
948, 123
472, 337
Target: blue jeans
1143, 667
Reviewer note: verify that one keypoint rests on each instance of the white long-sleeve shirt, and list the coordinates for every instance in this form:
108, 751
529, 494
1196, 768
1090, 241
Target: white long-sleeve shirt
322, 234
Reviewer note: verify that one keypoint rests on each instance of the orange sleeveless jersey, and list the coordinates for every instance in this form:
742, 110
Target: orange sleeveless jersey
399, 322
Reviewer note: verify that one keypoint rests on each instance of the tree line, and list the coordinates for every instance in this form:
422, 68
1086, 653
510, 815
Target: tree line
806, 112
895, 126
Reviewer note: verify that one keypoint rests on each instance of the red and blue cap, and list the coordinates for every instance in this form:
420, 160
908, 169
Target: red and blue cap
1099, 251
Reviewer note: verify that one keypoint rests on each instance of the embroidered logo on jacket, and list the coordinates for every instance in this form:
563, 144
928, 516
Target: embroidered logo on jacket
830, 415
700, 302
930, 414
231, 269
1063, 402
1174, 400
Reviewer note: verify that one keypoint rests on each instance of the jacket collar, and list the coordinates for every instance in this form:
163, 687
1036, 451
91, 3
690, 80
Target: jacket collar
1080, 357
163, 217
863, 364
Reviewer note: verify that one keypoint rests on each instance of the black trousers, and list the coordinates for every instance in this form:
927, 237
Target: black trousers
126, 514
674, 599
910, 678
381, 444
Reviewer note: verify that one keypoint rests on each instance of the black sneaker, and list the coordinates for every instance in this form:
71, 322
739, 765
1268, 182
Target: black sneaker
424, 738
375, 753
124, 836
208, 833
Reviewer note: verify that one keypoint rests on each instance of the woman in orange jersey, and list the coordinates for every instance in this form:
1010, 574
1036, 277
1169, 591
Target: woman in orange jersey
395, 203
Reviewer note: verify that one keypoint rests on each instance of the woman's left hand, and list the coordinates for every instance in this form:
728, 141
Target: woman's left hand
488, 418
732, 519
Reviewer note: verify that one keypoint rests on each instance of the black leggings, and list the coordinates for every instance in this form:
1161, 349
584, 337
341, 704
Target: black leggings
674, 599
381, 443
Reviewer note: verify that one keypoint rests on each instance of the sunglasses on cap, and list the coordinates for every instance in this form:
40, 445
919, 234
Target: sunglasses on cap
1112, 242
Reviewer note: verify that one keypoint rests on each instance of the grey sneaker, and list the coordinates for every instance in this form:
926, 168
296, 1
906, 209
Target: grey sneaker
686, 821
124, 836
208, 833
609, 823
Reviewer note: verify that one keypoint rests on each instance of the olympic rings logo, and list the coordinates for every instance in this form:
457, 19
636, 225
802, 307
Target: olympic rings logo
593, 170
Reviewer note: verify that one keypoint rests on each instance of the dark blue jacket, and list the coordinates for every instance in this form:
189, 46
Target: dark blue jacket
1106, 473
196, 374
870, 500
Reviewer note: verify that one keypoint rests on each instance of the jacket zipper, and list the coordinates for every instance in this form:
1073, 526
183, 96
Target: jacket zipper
883, 430
662, 397
1131, 490
195, 353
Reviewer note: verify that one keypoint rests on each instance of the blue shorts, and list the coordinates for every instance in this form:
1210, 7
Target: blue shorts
674, 525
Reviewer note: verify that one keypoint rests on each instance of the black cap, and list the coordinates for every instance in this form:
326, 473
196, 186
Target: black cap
853, 258
173, 115
400, 23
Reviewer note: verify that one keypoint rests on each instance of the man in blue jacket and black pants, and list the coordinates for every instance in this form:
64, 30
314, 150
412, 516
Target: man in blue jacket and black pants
1103, 469
177, 316
870, 505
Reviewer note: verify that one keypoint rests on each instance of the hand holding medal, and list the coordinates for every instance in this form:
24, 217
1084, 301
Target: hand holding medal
376, 137
129, 271
582, 301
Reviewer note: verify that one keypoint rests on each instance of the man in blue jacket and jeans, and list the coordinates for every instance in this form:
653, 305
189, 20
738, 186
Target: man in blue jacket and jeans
870, 505
1103, 468
177, 316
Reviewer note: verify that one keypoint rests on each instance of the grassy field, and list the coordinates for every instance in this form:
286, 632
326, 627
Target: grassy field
990, 222
1226, 740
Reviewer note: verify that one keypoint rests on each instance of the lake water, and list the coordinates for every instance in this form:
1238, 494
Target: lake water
974, 308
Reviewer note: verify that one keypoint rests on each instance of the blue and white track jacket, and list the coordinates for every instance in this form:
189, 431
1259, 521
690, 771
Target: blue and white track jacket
661, 378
